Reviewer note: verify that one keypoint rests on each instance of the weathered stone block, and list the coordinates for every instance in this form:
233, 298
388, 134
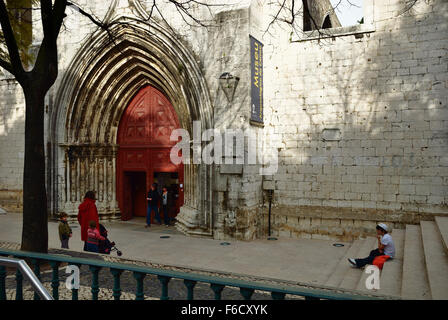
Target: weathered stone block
231, 169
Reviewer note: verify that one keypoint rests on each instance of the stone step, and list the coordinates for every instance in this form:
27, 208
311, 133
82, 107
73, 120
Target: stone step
391, 275
352, 275
11, 207
415, 280
442, 225
341, 268
361, 286
7, 195
436, 260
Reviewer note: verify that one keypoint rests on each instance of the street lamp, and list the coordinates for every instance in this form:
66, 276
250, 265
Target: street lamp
228, 84
270, 196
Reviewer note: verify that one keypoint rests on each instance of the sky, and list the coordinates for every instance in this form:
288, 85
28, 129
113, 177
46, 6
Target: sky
349, 12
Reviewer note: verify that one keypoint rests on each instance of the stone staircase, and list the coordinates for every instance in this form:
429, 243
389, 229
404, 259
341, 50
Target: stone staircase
418, 271
10, 201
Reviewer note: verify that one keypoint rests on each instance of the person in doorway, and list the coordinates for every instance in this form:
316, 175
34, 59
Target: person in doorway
87, 211
153, 202
93, 237
65, 232
385, 247
165, 206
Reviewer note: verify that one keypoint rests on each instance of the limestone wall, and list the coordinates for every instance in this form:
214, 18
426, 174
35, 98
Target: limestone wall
363, 121
12, 127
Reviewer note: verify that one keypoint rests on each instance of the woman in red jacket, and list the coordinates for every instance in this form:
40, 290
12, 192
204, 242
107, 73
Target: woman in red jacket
87, 212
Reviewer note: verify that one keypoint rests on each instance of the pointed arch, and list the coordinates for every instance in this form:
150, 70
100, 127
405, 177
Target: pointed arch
98, 85
327, 22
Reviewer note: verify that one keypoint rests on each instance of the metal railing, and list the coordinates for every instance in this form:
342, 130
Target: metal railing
26, 272
217, 284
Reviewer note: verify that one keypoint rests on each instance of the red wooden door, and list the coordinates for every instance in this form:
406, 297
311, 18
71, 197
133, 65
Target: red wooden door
144, 144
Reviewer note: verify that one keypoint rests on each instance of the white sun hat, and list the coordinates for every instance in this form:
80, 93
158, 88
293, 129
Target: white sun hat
383, 226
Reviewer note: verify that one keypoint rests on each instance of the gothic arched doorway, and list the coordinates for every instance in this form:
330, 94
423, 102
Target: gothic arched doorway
144, 153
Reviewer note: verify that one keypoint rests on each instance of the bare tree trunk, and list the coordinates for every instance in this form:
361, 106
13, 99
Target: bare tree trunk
35, 213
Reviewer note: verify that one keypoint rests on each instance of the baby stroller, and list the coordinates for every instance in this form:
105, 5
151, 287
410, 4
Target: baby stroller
106, 246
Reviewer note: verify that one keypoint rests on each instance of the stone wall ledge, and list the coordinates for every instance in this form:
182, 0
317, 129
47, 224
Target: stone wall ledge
385, 215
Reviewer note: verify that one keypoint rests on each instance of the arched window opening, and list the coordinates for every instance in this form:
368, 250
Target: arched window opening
327, 23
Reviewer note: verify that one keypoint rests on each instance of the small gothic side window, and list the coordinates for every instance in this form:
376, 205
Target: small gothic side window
327, 23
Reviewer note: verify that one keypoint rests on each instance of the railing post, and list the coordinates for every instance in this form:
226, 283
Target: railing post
164, 281
278, 295
117, 289
2, 283
95, 288
19, 285
139, 295
36, 264
246, 293
217, 289
190, 288
55, 279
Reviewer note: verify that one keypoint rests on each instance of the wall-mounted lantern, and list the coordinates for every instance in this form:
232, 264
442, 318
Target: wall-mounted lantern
228, 83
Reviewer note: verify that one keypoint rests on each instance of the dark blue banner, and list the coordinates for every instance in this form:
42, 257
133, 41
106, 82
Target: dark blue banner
256, 62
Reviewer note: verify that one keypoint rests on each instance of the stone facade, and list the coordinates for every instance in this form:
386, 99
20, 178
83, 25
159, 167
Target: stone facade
357, 114
363, 121
12, 128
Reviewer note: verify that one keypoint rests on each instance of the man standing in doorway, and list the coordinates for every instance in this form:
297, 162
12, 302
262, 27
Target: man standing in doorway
165, 195
153, 201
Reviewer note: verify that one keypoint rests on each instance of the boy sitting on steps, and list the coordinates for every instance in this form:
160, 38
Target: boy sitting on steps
385, 247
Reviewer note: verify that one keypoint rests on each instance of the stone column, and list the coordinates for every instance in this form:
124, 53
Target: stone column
90, 167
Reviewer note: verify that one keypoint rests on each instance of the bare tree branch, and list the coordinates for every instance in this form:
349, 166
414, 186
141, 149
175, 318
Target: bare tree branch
7, 66
316, 27
95, 20
46, 16
276, 16
293, 14
11, 43
58, 15
409, 5
184, 8
47, 57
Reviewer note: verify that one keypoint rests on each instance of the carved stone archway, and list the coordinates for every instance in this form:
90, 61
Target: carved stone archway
98, 85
